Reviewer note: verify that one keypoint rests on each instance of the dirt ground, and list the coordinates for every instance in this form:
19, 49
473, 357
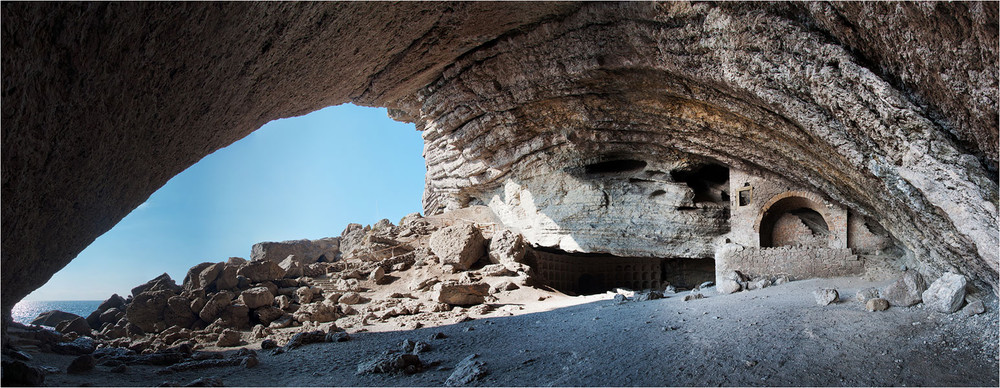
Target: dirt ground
776, 336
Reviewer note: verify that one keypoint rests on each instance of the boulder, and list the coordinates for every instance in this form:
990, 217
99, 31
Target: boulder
865, 294
730, 283
206, 279
496, 270
214, 306
82, 364
18, 374
466, 372
178, 312
305, 251
227, 279
350, 298
236, 316
283, 302
192, 280
304, 295
905, 291
52, 318
267, 314
876, 304
76, 325
229, 338
946, 294
159, 283
377, 275
458, 245
316, 312
293, 268
825, 296
391, 363
112, 315
257, 297
974, 307
146, 310
81, 345
260, 271
506, 247
455, 293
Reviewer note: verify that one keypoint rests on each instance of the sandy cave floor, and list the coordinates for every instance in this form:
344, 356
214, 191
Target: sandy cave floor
774, 336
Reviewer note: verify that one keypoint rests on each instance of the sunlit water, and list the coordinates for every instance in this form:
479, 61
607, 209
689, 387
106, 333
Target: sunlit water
26, 311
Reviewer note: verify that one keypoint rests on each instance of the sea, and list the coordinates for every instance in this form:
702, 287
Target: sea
26, 311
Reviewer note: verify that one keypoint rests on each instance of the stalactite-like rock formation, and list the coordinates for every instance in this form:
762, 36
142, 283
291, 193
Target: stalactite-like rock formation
582, 124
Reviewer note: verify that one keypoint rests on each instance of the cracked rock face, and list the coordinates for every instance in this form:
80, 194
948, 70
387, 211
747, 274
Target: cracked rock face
887, 108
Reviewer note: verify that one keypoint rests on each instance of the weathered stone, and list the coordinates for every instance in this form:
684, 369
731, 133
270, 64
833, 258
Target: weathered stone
974, 308
17, 373
268, 344
84, 363
466, 372
259, 271
391, 363
946, 294
905, 291
305, 251
377, 275
506, 247
825, 296
283, 302
865, 294
256, 297
214, 306
192, 280
227, 279
236, 315
53, 317
305, 338
292, 266
304, 295
496, 270
267, 314
159, 283
455, 293
729, 283
349, 298
146, 309
458, 245
229, 338
178, 312
648, 295
690, 297
316, 312
81, 345
876, 304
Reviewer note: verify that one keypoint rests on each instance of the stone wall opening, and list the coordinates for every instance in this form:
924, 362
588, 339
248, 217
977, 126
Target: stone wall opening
588, 273
710, 182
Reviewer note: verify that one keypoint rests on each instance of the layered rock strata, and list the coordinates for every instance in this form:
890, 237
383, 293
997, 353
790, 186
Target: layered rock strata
888, 108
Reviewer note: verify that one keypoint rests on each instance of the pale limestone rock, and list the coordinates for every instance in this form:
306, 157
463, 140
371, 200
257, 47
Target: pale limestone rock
946, 294
458, 245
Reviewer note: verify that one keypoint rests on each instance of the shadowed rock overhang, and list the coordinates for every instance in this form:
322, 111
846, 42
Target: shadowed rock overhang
887, 108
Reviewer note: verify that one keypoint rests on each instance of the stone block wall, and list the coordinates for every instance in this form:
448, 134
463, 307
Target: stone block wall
795, 262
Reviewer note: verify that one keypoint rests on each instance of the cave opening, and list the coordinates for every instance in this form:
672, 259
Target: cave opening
618, 166
709, 182
594, 273
797, 226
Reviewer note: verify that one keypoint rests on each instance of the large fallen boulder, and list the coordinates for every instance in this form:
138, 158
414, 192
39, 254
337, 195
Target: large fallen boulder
146, 310
53, 317
260, 271
257, 297
905, 291
506, 247
178, 312
214, 306
159, 283
228, 279
458, 245
305, 251
455, 293
192, 280
946, 294
76, 325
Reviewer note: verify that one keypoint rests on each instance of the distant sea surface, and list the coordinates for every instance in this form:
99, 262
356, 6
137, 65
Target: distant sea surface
25, 311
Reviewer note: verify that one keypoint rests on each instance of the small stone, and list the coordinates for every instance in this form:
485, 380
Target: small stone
268, 344
619, 299
974, 308
825, 296
467, 371
690, 297
906, 291
865, 294
350, 298
876, 304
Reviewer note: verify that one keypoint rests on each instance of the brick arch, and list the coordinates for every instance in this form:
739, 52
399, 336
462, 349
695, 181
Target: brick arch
787, 201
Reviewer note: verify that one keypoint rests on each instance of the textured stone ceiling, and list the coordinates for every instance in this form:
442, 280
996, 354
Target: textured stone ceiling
888, 108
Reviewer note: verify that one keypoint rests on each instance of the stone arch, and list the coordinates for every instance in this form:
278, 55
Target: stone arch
786, 202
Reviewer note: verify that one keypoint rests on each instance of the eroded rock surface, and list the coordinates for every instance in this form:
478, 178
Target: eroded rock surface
581, 115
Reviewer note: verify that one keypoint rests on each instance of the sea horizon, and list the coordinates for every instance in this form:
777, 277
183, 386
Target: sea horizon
26, 311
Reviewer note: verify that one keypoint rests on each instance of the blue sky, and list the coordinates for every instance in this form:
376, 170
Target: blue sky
300, 177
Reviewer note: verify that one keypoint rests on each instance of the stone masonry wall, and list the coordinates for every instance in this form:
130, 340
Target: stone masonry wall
797, 263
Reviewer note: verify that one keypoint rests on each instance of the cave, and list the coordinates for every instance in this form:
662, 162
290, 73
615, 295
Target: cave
709, 182
590, 273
